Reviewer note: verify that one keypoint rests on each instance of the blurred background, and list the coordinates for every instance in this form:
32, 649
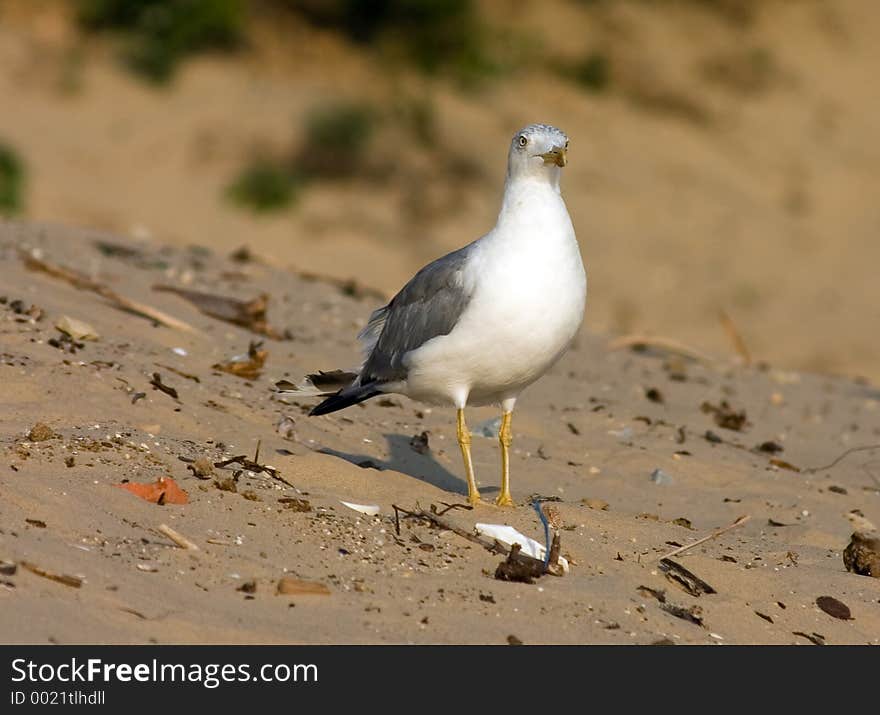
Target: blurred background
724, 153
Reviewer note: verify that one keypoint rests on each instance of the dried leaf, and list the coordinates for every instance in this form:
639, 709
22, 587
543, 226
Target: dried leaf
163, 491
249, 367
814, 638
680, 576
834, 608
249, 314
657, 593
694, 614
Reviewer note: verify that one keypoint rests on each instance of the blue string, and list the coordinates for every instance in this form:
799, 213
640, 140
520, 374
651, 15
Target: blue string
537, 506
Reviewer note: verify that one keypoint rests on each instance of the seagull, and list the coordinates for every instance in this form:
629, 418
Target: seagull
480, 324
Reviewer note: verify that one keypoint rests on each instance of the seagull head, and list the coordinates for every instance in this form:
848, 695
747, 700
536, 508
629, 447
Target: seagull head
537, 150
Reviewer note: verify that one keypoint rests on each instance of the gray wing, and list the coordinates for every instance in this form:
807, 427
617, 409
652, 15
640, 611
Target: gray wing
428, 306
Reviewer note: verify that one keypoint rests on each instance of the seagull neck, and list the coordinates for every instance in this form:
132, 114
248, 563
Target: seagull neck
522, 192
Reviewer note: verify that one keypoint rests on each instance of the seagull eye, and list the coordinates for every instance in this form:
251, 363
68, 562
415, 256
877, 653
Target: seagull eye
523, 141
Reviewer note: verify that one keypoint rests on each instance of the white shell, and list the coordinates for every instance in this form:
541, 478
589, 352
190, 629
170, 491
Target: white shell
368, 509
510, 536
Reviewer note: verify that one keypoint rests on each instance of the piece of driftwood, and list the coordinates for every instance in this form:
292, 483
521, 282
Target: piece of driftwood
680, 576
78, 280
177, 537
72, 581
666, 345
735, 337
715, 534
493, 546
250, 314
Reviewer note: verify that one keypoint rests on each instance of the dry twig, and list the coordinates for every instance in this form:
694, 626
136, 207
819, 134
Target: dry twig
253, 466
735, 337
664, 344
72, 581
177, 537
840, 458
718, 532
78, 280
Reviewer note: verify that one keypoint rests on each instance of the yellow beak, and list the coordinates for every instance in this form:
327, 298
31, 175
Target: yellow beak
557, 155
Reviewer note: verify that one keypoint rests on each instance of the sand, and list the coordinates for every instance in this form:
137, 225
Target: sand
596, 429
738, 161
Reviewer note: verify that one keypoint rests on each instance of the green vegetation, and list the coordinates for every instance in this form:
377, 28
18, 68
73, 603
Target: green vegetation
334, 147
160, 33
12, 180
437, 36
263, 186
419, 117
336, 140
593, 72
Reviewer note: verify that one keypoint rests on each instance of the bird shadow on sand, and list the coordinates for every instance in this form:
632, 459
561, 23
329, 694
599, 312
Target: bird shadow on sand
406, 460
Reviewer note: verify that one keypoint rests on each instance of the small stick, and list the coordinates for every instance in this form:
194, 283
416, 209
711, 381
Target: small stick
219, 542
494, 546
491, 546
718, 532
841, 458
177, 538
78, 280
735, 337
449, 507
72, 581
667, 344
252, 466
396, 519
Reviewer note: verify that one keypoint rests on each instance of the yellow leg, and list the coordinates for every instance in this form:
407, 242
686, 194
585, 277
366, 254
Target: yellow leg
464, 441
505, 438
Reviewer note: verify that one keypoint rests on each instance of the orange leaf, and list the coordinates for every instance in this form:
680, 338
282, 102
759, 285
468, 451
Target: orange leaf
163, 491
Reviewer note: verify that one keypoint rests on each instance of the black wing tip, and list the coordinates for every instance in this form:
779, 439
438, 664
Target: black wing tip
344, 398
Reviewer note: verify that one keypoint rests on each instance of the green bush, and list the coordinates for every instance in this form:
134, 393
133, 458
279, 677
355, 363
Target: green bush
163, 32
334, 146
435, 35
336, 140
12, 179
593, 72
264, 186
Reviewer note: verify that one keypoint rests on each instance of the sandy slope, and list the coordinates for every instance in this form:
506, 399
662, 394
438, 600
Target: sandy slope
739, 162
587, 431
